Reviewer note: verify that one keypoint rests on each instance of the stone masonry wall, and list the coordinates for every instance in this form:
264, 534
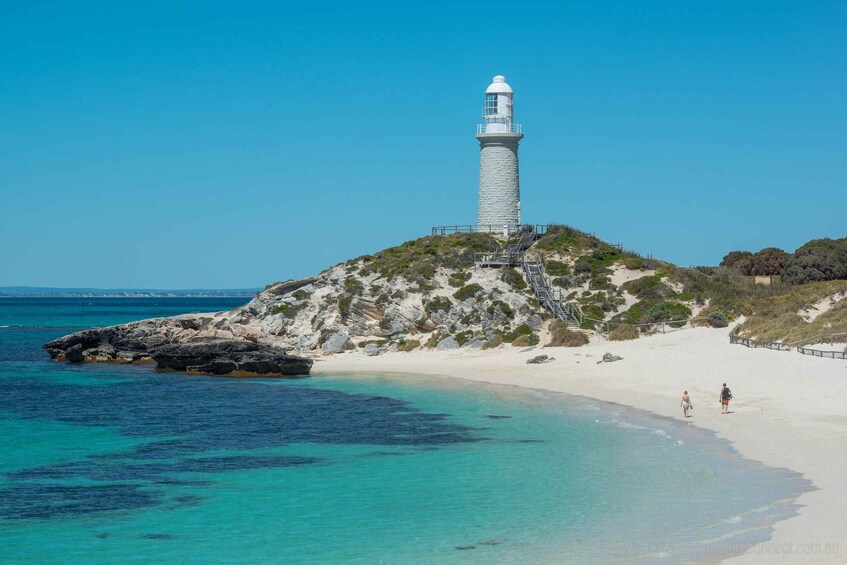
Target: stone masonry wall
499, 189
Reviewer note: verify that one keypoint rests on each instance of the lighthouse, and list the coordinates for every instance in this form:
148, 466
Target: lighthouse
499, 188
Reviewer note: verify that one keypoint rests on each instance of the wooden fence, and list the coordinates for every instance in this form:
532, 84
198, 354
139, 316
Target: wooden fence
794, 345
825, 354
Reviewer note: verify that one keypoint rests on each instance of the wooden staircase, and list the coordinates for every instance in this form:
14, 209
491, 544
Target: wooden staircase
550, 300
514, 254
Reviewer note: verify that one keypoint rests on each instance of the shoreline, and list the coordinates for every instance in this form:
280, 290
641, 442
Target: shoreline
787, 411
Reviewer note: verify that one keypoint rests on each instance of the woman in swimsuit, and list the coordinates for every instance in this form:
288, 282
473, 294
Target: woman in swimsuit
686, 403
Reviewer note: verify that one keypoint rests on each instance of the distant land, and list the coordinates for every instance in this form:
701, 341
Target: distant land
44, 291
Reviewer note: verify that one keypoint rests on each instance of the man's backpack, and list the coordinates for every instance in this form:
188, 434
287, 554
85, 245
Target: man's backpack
727, 393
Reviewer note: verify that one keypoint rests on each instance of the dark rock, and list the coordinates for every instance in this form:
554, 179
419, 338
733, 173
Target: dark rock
609, 358
118, 344
229, 357
74, 354
539, 359
289, 286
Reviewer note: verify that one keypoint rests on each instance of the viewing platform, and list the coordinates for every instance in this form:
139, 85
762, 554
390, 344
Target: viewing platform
493, 129
506, 230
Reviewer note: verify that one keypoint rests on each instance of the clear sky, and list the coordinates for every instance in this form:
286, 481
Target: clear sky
232, 144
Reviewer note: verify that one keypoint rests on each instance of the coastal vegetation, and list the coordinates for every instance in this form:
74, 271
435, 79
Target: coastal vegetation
817, 260
562, 336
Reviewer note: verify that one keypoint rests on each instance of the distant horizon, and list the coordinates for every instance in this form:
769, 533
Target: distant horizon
227, 146
47, 291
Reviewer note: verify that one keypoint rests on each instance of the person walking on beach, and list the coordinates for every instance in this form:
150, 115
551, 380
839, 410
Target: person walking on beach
725, 397
686, 403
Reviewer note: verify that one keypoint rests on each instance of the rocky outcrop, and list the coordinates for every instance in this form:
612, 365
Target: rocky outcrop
230, 358
178, 344
129, 343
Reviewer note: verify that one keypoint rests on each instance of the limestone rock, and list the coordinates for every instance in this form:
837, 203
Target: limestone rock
535, 321
476, 342
372, 350
255, 306
273, 325
336, 342
447, 343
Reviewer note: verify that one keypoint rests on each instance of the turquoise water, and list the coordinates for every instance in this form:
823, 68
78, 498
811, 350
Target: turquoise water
117, 463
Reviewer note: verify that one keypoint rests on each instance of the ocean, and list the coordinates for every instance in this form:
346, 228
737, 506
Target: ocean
108, 463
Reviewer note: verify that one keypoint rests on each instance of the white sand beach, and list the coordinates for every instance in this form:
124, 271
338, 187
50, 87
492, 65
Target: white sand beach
788, 409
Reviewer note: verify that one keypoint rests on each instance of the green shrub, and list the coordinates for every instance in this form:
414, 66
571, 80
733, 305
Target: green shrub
595, 313
557, 268
409, 345
562, 336
495, 341
562, 282
606, 301
290, 310
667, 311
300, 294
438, 304
418, 259
648, 288
526, 340
434, 339
718, 319
467, 291
513, 278
522, 329
623, 332
463, 337
504, 308
581, 266
344, 303
600, 283
352, 285
458, 279
379, 342
634, 263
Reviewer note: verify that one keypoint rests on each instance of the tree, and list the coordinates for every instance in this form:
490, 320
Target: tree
741, 261
769, 262
818, 260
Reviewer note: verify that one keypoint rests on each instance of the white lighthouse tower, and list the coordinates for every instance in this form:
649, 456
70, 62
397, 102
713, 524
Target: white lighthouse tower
499, 188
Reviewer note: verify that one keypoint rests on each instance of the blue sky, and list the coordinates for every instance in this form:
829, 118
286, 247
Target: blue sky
179, 145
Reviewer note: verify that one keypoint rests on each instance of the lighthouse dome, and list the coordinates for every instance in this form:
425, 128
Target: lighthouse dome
498, 86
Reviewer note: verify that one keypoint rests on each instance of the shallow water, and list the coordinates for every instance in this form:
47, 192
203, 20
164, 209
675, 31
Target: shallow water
108, 463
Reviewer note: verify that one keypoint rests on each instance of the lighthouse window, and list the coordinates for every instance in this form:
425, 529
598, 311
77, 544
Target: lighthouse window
490, 104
